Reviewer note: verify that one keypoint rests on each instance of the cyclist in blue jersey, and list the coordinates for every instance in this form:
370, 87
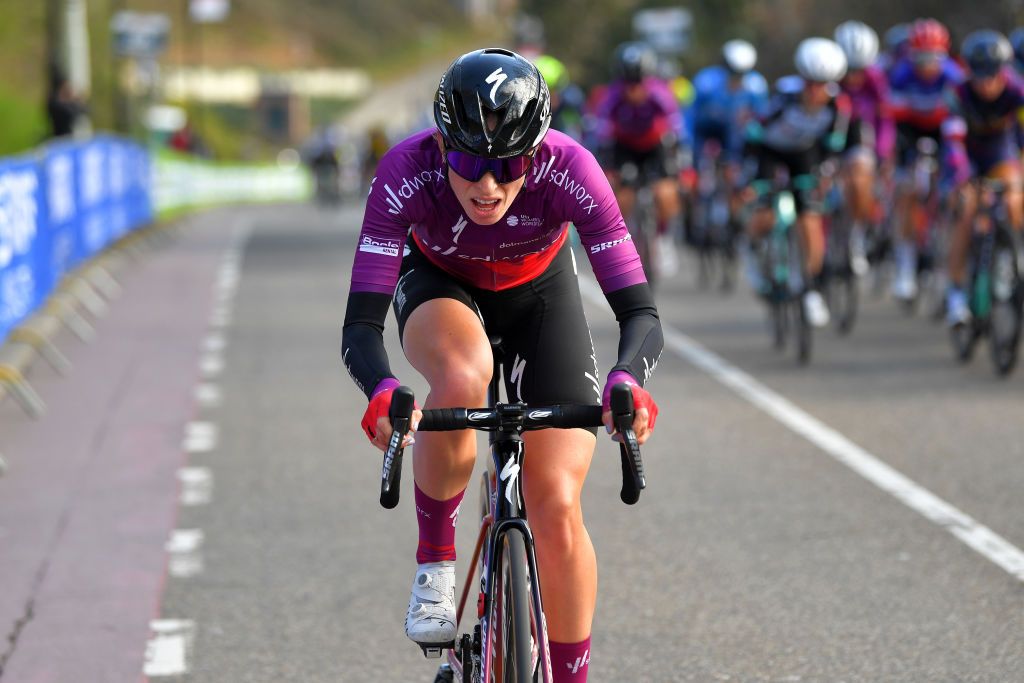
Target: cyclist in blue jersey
897, 44
981, 138
919, 106
727, 97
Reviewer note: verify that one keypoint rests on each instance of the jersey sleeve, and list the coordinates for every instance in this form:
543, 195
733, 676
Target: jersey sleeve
375, 272
585, 198
386, 222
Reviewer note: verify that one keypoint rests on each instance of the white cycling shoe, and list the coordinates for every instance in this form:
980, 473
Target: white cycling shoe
957, 310
815, 308
430, 621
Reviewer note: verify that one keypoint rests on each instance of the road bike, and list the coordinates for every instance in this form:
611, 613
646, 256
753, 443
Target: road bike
713, 230
841, 283
643, 224
781, 258
509, 642
994, 289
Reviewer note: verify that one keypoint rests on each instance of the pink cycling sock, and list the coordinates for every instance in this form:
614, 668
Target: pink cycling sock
436, 520
570, 661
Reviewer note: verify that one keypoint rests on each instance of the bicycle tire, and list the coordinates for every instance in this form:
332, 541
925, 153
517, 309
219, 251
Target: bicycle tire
780, 325
844, 302
804, 333
516, 651
964, 338
1005, 316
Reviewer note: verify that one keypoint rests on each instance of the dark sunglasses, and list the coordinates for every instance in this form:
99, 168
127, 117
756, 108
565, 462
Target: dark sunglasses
473, 168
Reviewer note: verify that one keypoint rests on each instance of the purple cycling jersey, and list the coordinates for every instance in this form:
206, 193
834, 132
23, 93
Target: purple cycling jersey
870, 102
982, 134
565, 184
639, 125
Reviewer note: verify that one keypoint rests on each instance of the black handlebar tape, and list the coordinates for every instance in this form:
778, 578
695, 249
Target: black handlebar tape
443, 420
400, 413
629, 451
576, 416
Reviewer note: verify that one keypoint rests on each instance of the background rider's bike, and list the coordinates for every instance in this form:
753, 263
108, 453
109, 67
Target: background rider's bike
929, 228
643, 224
842, 285
712, 233
995, 291
509, 643
782, 264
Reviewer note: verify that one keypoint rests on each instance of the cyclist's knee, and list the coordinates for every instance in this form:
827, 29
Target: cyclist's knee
460, 382
556, 521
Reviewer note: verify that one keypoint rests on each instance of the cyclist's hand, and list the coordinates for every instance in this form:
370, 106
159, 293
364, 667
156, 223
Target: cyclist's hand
645, 410
377, 425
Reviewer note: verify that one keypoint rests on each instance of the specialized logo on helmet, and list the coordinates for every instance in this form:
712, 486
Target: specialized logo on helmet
440, 102
497, 77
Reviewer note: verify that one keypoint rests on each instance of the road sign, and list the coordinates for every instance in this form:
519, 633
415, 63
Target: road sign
138, 34
666, 29
209, 11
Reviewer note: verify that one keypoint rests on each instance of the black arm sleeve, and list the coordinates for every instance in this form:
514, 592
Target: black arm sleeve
640, 338
362, 339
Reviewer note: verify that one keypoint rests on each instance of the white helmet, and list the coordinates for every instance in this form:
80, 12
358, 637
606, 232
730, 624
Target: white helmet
860, 43
739, 56
821, 60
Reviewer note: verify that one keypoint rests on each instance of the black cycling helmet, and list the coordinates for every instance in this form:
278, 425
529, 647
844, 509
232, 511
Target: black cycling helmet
635, 61
499, 82
1017, 42
986, 52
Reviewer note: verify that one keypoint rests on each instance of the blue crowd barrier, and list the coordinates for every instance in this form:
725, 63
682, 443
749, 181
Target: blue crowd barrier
61, 205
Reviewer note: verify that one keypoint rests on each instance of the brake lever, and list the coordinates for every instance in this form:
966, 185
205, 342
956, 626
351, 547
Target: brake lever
633, 480
400, 414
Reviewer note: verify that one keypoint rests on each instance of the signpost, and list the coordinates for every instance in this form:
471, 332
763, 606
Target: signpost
667, 29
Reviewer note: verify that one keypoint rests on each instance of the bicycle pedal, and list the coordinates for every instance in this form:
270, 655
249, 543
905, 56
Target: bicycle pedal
434, 650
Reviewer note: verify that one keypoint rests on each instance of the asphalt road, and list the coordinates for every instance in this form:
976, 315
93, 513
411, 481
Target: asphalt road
756, 553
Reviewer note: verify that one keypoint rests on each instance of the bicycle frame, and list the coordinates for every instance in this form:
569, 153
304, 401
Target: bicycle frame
506, 513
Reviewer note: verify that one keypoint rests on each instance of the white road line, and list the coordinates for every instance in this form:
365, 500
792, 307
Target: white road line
167, 651
211, 365
200, 437
208, 395
196, 485
220, 317
215, 342
183, 546
977, 536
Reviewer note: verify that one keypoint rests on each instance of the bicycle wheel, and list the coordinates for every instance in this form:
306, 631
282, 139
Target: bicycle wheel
780, 324
803, 332
843, 300
1005, 320
512, 659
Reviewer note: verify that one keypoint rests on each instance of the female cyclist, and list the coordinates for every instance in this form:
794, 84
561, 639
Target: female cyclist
488, 196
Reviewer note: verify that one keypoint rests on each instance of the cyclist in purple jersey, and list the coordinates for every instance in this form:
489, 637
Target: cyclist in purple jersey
639, 133
981, 141
465, 228
872, 132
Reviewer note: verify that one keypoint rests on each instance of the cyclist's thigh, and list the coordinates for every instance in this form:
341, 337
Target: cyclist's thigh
438, 321
549, 355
